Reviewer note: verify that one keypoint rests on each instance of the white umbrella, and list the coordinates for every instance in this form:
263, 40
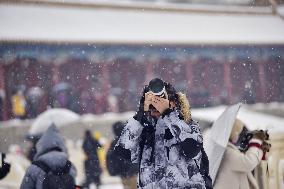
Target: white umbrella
219, 137
35, 92
63, 86
57, 116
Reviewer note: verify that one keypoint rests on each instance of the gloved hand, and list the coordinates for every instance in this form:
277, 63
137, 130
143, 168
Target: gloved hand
5, 169
261, 135
141, 114
265, 146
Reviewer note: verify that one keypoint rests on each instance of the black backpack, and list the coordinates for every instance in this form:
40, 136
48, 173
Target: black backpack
112, 163
118, 161
59, 179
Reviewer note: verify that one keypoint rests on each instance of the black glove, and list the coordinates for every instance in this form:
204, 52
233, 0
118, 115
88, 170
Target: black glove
265, 146
5, 169
143, 118
141, 115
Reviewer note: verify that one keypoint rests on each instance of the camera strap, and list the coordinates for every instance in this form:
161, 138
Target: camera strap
254, 144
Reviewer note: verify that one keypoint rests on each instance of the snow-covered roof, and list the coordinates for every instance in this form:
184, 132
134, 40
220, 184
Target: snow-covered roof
81, 24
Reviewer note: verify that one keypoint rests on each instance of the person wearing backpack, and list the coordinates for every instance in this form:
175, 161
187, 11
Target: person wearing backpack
50, 168
165, 142
118, 160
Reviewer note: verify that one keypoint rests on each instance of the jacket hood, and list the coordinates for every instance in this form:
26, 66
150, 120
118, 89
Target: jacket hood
50, 140
184, 107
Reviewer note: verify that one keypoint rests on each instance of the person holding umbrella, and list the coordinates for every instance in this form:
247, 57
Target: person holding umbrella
235, 171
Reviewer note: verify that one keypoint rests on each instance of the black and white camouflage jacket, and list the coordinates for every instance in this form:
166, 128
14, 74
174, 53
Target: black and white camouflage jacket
168, 153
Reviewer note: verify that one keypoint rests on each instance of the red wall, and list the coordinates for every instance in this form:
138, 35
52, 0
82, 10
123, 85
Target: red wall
206, 81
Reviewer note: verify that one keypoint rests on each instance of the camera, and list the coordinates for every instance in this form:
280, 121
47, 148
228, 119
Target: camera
157, 87
246, 136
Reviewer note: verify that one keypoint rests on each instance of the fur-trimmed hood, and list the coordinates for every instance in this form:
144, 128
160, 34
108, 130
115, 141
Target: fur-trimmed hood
184, 107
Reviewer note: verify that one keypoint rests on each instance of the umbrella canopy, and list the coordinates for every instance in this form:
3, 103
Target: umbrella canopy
35, 92
63, 86
219, 137
57, 116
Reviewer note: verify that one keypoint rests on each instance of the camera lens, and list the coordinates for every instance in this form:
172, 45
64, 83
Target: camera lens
156, 85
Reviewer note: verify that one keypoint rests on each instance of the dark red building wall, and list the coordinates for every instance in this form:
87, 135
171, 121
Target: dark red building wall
206, 81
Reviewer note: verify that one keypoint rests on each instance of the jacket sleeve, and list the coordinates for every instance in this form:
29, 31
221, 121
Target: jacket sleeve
29, 180
188, 136
130, 138
244, 162
73, 171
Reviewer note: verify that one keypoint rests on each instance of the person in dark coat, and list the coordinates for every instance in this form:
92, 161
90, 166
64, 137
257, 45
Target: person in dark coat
92, 165
164, 140
119, 160
51, 150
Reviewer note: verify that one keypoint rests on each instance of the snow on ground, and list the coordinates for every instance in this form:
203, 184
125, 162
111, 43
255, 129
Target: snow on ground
273, 108
253, 120
208, 114
112, 186
108, 116
280, 10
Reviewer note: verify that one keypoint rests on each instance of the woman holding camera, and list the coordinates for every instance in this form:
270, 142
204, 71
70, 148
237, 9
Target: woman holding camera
236, 168
164, 141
